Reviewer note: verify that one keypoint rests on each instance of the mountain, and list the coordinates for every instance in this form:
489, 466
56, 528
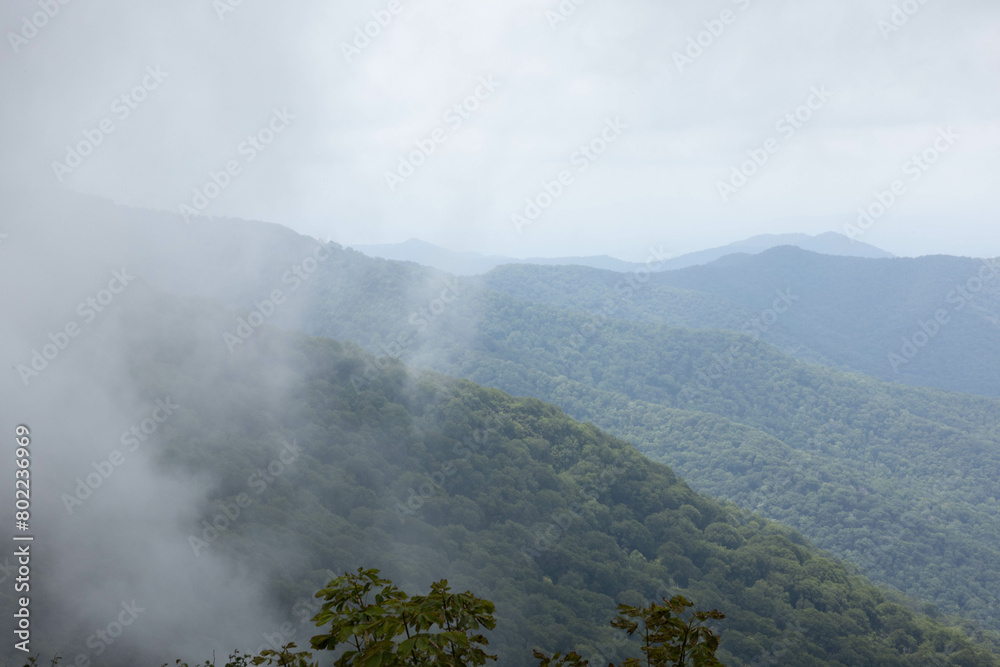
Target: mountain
630, 378
829, 243
926, 321
471, 263
271, 462
894, 479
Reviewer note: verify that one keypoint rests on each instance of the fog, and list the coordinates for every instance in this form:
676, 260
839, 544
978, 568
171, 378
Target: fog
118, 521
135, 135
111, 525
221, 71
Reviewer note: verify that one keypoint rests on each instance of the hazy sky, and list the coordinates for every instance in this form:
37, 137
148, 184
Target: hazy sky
339, 121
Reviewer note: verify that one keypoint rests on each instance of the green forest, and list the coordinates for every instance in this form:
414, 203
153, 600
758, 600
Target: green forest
545, 333
849, 313
898, 480
597, 453
556, 522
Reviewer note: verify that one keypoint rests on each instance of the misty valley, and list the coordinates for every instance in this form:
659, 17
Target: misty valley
251, 420
529, 333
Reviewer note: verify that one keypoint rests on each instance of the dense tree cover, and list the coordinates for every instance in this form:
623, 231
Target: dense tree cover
898, 480
623, 296
848, 312
555, 521
855, 464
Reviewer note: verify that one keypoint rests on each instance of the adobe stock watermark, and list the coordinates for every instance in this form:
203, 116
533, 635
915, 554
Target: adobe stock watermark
792, 635
703, 40
101, 640
249, 150
363, 35
88, 309
787, 126
915, 168
927, 330
224, 7
722, 363
303, 611
900, 16
264, 309
551, 533
130, 439
767, 496
479, 440
582, 159
419, 321
625, 289
455, 117
606, 652
562, 13
258, 482
121, 108
33, 25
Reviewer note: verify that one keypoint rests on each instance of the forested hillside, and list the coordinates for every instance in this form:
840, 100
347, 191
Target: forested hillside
897, 480
885, 450
913, 321
691, 358
427, 477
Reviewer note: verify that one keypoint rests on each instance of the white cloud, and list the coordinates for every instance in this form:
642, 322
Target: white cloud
558, 85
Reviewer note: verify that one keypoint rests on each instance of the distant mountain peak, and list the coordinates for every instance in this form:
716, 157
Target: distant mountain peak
827, 243
473, 263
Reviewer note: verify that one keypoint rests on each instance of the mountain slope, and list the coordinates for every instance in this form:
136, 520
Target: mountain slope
628, 376
534, 350
913, 321
428, 477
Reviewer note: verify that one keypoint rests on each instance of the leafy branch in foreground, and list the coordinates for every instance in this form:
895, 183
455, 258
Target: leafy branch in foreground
671, 636
372, 616
382, 625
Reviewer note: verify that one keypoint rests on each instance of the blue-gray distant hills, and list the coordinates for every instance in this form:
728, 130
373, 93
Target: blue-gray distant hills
472, 263
830, 243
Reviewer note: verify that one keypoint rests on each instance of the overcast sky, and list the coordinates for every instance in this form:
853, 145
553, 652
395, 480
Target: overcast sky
679, 126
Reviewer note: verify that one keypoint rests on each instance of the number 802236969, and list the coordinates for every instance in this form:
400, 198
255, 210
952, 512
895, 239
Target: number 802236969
22, 485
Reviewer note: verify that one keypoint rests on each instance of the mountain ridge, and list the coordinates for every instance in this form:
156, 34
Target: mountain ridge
553, 519
561, 353
473, 263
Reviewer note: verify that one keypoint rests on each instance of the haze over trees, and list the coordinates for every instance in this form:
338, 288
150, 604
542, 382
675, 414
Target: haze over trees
825, 481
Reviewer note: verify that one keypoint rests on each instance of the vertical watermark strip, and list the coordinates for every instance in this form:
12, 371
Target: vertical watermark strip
22, 552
